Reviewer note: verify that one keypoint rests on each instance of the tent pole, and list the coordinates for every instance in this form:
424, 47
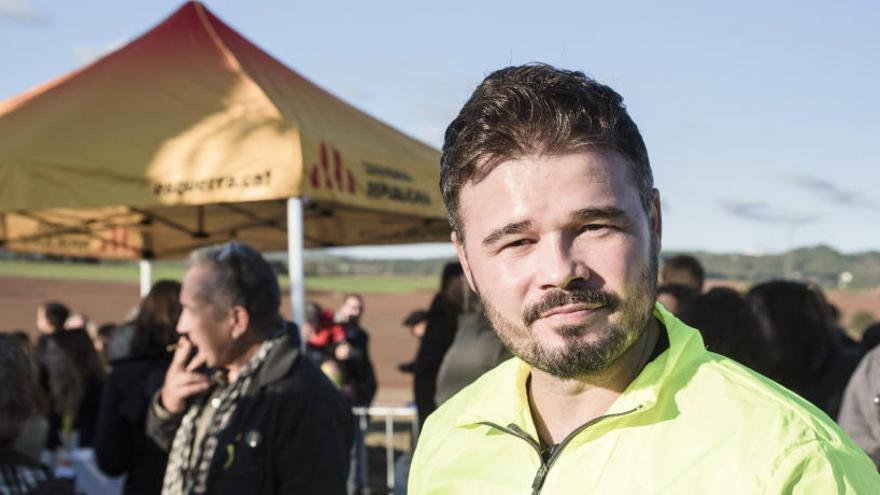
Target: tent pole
295, 236
146, 277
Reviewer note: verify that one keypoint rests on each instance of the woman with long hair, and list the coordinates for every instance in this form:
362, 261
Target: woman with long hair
728, 326
122, 445
156, 323
805, 355
76, 378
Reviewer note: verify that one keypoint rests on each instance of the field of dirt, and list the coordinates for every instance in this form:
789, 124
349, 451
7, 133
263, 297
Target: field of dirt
390, 343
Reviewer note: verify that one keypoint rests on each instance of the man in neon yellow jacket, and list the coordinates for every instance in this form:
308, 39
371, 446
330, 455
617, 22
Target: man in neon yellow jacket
557, 224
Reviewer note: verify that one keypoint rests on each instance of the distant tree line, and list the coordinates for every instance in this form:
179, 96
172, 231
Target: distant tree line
820, 264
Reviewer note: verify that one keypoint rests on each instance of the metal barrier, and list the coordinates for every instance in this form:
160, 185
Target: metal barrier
389, 415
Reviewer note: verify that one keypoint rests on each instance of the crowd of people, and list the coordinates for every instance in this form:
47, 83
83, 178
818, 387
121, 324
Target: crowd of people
551, 359
90, 386
785, 330
138, 392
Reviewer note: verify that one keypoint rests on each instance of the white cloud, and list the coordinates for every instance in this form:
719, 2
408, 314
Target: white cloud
20, 10
764, 212
831, 192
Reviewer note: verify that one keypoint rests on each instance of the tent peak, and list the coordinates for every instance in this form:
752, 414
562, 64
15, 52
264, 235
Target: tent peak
189, 5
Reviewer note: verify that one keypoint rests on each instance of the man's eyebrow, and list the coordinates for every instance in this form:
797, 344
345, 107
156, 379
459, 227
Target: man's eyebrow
609, 213
509, 229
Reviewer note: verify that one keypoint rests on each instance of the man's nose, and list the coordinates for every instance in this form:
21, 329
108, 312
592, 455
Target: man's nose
181, 325
560, 267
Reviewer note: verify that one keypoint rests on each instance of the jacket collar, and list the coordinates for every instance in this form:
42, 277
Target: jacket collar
509, 401
280, 360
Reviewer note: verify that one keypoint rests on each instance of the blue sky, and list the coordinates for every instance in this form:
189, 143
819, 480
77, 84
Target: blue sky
762, 119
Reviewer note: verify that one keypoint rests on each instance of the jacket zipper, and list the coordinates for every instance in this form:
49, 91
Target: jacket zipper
541, 475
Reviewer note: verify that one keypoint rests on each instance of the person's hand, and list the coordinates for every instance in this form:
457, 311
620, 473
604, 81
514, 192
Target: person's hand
342, 351
181, 380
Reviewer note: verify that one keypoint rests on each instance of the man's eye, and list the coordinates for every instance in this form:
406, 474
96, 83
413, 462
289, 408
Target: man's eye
592, 227
515, 244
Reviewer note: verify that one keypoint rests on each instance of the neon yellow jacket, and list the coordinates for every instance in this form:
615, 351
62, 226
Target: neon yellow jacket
691, 422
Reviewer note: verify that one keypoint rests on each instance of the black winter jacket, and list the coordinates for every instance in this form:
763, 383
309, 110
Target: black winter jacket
290, 433
439, 334
121, 442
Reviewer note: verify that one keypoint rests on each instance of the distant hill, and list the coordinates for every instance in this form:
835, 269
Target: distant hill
821, 264
317, 263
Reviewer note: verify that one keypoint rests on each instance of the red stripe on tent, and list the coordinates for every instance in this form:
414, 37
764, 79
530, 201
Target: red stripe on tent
337, 162
315, 176
325, 165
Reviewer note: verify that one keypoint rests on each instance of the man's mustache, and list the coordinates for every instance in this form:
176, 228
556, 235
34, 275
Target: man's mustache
559, 298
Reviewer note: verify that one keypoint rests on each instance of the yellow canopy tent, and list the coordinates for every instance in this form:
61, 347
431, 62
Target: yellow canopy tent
192, 135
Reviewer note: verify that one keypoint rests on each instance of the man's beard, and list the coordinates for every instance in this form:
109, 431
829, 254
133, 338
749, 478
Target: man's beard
576, 357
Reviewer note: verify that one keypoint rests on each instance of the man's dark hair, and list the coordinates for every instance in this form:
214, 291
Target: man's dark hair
240, 276
56, 314
687, 264
537, 109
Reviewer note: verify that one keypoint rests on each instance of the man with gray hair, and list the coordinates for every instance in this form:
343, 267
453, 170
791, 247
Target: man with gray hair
266, 421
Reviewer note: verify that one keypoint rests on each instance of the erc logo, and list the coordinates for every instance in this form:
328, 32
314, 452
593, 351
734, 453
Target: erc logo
117, 242
335, 176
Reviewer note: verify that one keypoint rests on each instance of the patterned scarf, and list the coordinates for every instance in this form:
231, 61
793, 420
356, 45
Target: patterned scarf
186, 473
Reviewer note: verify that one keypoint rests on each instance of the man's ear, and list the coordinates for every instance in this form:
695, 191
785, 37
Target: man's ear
240, 321
462, 258
656, 220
